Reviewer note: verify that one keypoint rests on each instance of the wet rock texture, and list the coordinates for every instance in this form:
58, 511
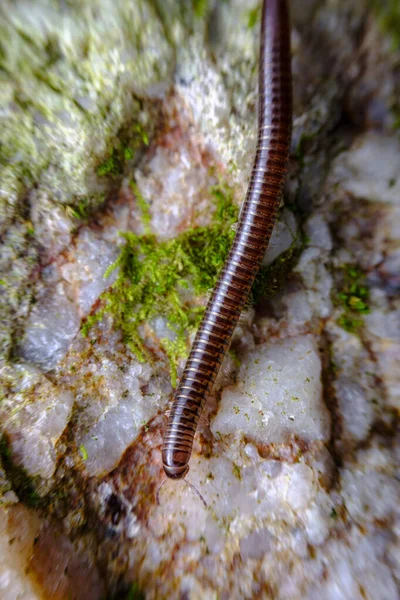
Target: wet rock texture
297, 457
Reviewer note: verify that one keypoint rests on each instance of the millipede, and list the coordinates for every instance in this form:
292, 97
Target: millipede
256, 221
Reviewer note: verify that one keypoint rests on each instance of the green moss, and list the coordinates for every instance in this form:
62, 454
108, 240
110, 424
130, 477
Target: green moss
200, 7
301, 147
353, 298
30, 230
233, 354
127, 144
83, 452
110, 166
153, 275
388, 13
174, 350
350, 323
253, 16
129, 141
271, 277
135, 593
84, 206
23, 485
80, 211
114, 163
396, 114
5, 485
141, 134
236, 471
143, 206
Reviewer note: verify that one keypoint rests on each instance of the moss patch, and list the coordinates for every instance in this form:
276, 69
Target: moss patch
388, 13
200, 7
153, 276
84, 207
270, 278
353, 298
303, 147
135, 593
143, 207
124, 150
253, 16
127, 147
5, 485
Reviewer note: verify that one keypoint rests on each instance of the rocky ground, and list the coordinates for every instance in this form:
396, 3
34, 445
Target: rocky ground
141, 117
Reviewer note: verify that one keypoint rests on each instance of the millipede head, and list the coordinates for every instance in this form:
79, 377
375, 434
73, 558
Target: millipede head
175, 463
176, 472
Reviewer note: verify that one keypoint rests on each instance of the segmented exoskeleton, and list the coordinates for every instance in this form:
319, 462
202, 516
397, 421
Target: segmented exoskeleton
257, 219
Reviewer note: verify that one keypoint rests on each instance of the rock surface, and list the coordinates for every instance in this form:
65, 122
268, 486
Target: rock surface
122, 116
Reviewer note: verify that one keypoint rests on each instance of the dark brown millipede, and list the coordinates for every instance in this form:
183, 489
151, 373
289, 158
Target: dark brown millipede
256, 221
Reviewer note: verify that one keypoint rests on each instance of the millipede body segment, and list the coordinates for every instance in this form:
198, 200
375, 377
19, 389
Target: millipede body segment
256, 221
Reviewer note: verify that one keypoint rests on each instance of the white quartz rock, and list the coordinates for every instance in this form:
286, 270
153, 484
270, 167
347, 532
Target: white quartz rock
51, 326
85, 273
384, 335
35, 428
317, 280
356, 570
384, 325
256, 544
108, 439
356, 409
173, 186
318, 231
283, 236
254, 500
370, 495
52, 224
370, 169
298, 307
279, 395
